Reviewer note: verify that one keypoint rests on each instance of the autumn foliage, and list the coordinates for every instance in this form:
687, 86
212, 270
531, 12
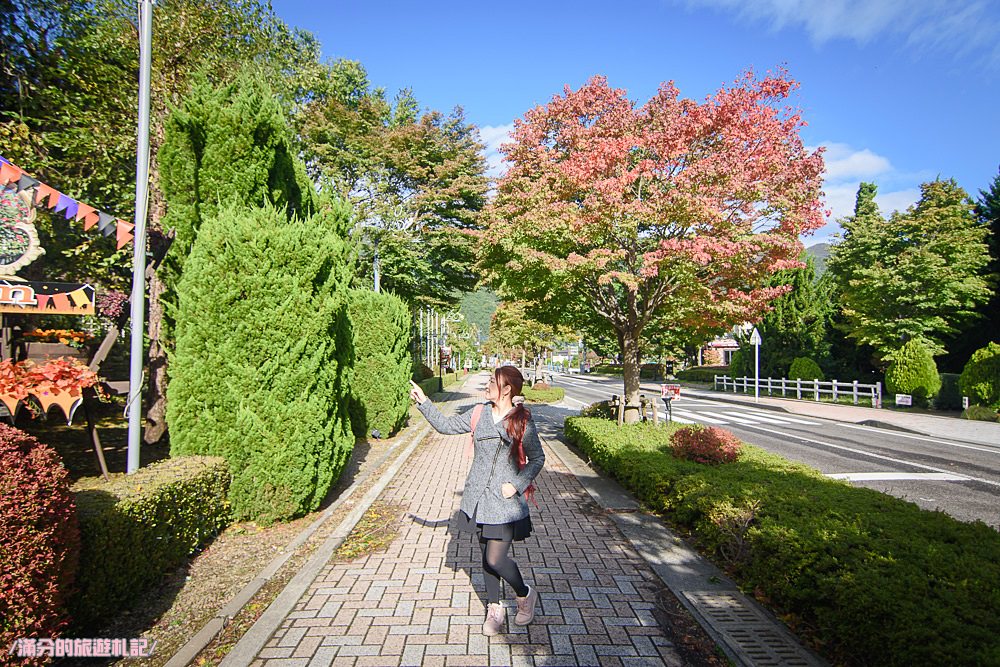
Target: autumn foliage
39, 539
705, 444
674, 212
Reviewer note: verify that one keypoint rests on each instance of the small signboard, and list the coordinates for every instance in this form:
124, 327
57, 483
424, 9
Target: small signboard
46, 298
904, 399
670, 391
965, 402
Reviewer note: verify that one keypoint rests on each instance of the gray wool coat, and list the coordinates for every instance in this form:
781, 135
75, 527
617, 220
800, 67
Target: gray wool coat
492, 465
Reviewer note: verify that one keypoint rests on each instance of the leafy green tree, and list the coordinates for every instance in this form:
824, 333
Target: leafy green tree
415, 180
478, 308
263, 366
68, 99
983, 329
796, 325
631, 213
804, 368
380, 392
916, 275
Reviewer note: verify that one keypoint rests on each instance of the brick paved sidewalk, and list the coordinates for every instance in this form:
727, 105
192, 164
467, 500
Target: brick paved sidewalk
422, 600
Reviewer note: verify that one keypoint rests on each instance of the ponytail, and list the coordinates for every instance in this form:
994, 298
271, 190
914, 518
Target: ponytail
517, 421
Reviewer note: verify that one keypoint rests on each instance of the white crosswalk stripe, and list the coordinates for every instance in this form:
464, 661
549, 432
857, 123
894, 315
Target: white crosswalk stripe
783, 419
730, 416
699, 416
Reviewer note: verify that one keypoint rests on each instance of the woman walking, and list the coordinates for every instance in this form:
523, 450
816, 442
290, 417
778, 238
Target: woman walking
507, 456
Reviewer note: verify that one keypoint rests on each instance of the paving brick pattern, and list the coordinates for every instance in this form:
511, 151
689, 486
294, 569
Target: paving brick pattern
422, 600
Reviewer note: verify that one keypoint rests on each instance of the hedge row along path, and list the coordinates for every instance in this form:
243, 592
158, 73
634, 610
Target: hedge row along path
420, 601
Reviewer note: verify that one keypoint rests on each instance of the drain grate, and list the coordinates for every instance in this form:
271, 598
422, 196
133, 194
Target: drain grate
755, 638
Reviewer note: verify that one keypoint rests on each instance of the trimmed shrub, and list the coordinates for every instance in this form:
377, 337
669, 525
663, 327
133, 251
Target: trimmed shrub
710, 445
913, 372
869, 578
546, 394
380, 391
804, 368
949, 397
599, 410
421, 372
39, 539
263, 363
980, 379
137, 527
431, 385
981, 413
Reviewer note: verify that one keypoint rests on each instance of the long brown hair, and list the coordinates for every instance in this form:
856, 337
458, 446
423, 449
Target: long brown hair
517, 419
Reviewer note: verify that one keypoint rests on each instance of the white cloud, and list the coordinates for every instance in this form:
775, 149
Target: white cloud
846, 168
493, 136
959, 26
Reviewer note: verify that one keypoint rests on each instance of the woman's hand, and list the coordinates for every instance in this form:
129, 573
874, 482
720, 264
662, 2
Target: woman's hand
508, 490
416, 393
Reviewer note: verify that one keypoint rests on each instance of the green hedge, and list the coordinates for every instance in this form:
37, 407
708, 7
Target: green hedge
264, 357
550, 395
431, 385
135, 528
869, 578
980, 379
380, 391
702, 373
804, 368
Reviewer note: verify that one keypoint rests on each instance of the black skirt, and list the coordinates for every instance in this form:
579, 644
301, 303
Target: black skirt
515, 531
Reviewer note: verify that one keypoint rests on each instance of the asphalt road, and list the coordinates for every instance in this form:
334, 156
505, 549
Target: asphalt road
960, 478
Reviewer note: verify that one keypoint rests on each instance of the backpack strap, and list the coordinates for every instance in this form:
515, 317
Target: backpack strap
477, 412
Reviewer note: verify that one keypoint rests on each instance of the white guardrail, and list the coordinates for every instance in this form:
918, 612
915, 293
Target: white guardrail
811, 388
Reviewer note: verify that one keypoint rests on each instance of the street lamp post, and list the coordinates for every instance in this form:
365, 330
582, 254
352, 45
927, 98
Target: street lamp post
755, 341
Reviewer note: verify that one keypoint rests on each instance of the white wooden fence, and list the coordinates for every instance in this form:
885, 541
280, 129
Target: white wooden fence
811, 389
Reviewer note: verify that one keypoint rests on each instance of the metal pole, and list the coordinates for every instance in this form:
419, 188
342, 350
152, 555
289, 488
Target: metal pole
377, 267
756, 373
139, 254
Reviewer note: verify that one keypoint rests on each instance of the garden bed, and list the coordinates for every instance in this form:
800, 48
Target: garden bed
863, 577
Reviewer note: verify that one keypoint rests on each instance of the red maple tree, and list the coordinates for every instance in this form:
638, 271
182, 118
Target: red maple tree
674, 212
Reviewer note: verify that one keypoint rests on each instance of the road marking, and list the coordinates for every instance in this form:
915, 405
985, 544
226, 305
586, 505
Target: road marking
870, 454
783, 419
570, 398
729, 416
699, 416
680, 420
883, 431
898, 476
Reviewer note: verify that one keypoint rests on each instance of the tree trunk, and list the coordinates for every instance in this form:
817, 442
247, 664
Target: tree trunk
538, 369
630, 368
156, 399
156, 412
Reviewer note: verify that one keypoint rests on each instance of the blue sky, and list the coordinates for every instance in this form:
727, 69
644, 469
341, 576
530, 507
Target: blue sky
899, 91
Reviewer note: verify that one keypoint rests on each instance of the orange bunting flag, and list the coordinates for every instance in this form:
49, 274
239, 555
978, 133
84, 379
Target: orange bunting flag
9, 174
124, 233
47, 192
88, 214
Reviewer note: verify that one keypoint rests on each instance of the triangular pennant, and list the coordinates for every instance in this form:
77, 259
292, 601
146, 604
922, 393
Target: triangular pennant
63, 203
105, 223
72, 209
60, 301
46, 192
26, 183
88, 214
9, 173
124, 233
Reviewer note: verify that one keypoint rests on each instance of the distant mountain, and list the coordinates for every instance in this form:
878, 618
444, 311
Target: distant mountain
820, 252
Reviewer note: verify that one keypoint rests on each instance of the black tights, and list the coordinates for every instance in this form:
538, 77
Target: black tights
498, 565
